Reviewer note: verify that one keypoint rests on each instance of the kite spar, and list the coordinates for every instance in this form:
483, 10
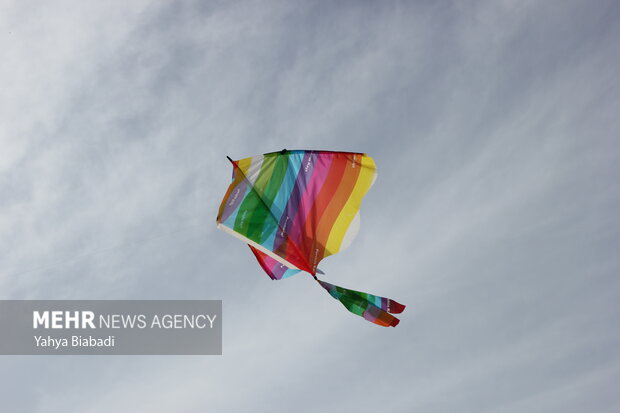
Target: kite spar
294, 208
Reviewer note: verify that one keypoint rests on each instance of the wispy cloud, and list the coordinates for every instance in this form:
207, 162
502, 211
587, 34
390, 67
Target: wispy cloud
494, 126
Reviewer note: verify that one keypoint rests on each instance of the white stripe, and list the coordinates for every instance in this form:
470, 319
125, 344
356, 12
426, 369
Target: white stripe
352, 231
254, 169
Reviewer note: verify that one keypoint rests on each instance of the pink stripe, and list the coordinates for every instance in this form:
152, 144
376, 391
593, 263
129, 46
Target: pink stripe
319, 174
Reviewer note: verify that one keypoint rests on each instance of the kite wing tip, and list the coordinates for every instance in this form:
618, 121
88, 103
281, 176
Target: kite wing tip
395, 307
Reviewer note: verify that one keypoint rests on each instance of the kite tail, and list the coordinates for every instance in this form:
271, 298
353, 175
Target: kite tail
372, 307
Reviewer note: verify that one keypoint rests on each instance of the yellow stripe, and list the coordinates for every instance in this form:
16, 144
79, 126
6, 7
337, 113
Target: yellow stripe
244, 165
352, 206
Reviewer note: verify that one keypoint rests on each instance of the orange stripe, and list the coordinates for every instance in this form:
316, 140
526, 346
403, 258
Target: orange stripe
338, 201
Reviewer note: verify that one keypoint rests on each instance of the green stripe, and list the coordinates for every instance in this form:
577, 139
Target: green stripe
261, 226
255, 219
252, 203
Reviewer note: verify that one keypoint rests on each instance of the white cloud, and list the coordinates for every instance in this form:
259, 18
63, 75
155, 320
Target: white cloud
494, 129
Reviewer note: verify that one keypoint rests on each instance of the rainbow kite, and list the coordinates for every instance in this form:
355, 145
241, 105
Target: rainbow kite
294, 208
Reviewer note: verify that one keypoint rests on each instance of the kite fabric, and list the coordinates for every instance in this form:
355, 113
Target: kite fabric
294, 208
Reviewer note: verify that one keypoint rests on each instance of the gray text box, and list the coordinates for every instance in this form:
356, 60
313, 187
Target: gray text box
98, 327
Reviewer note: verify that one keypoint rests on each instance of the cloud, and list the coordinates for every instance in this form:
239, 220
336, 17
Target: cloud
493, 216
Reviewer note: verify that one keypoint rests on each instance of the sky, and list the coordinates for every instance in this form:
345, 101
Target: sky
494, 218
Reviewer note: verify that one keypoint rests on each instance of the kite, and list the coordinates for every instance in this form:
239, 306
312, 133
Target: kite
294, 208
